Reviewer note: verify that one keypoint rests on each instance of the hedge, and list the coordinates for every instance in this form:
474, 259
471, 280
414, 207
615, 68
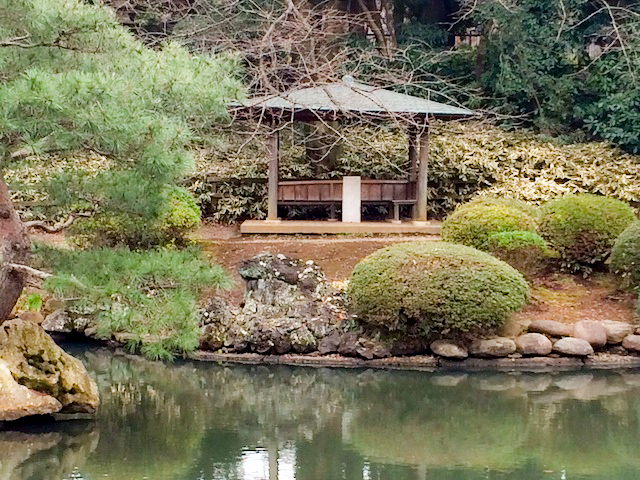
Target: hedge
435, 287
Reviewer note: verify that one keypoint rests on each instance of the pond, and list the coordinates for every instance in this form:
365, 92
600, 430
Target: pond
198, 421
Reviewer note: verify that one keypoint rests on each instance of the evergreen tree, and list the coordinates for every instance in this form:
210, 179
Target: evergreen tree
72, 78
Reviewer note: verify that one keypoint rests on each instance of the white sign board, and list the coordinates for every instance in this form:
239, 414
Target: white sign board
351, 199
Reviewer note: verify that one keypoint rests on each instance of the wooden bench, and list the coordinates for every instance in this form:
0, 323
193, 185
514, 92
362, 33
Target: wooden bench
391, 193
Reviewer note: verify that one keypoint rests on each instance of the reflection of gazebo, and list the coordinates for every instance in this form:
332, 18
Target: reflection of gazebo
340, 102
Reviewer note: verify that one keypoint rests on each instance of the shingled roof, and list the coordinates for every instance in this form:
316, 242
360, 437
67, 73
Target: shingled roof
348, 98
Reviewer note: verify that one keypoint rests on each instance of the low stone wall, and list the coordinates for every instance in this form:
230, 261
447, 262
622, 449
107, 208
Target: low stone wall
429, 363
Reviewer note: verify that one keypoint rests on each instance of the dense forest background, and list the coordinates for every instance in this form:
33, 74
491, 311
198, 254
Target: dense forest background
568, 68
555, 82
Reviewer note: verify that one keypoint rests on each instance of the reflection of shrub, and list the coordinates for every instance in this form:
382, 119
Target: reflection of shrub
472, 225
625, 255
584, 227
435, 286
178, 217
525, 251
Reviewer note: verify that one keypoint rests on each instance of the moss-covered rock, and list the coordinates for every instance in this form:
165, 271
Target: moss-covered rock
18, 401
435, 287
472, 225
584, 227
36, 362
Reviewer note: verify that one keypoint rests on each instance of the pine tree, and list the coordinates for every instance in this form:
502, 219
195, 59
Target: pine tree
72, 78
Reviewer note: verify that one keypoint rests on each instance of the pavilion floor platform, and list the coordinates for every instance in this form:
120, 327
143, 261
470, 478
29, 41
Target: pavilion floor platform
319, 227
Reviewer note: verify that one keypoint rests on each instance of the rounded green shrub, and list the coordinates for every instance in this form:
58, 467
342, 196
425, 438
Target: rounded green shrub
625, 255
525, 251
521, 205
182, 213
473, 225
435, 287
178, 216
582, 228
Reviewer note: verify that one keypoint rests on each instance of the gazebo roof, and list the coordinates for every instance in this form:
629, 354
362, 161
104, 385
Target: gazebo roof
348, 98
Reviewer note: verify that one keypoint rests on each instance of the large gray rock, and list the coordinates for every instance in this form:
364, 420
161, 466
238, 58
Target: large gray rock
409, 345
369, 348
449, 349
17, 401
573, 347
349, 344
492, 348
36, 362
288, 306
330, 343
65, 321
58, 322
591, 331
551, 327
533, 344
632, 342
616, 331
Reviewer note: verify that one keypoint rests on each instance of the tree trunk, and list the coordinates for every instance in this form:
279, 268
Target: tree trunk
15, 247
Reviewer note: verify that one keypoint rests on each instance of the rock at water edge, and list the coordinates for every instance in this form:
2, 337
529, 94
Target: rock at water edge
632, 342
17, 401
533, 344
36, 362
573, 347
591, 331
493, 347
616, 331
551, 327
449, 349
59, 322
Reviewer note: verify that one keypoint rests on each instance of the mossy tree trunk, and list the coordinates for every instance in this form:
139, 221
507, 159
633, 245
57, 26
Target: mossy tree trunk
15, 247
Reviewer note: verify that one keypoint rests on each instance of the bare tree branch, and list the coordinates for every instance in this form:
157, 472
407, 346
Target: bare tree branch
29, 271
57, 228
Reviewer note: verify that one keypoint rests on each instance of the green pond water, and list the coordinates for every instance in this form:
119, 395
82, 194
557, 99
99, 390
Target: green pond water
198, 421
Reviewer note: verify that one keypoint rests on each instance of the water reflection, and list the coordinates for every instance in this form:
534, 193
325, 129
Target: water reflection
202, 421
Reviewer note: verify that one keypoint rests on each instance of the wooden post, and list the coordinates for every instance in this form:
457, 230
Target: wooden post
274, 156
413, 154
421, 215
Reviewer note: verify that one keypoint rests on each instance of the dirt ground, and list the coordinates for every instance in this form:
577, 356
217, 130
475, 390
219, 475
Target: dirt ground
335, 254
560, 297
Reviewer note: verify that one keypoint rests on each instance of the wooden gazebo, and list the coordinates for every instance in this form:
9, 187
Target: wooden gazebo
339, 102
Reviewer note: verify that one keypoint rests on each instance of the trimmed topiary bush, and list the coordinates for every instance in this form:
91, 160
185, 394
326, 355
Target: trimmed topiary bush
435, 287
525, 251
472, 225
625, 255
521, 205
583, 228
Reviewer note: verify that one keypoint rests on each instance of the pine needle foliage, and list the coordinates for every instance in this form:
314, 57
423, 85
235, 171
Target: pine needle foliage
150, 296
72, 78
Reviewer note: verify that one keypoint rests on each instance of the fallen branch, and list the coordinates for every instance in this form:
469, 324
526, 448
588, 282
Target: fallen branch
29, 271
57, 228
